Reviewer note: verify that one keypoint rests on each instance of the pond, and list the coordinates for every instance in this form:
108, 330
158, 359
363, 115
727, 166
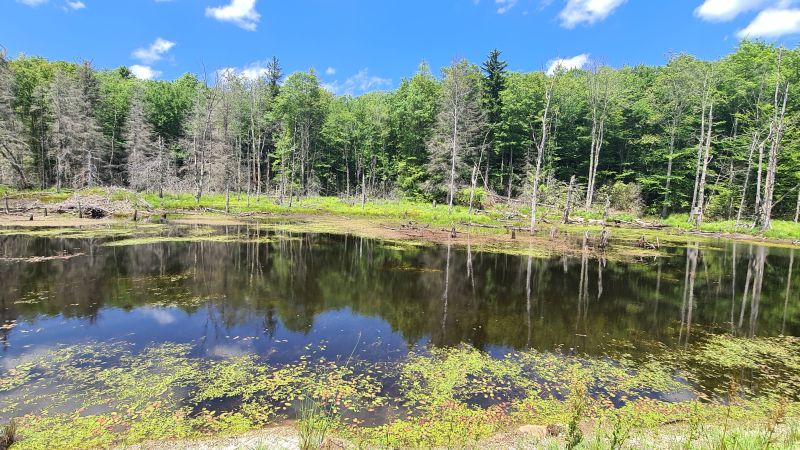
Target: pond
283, 298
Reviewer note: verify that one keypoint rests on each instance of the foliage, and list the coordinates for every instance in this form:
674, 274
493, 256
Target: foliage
478, 195
440, 397
314, 425
8, 435
295, 139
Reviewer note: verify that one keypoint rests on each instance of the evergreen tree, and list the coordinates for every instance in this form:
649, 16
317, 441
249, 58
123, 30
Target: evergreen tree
494, 83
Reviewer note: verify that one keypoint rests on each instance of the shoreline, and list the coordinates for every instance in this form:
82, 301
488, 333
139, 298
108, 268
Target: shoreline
550, 238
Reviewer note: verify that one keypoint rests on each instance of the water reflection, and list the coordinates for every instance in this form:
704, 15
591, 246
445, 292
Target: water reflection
306, 288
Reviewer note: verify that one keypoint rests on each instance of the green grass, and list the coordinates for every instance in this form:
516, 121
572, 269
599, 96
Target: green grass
499, 215
781, 229
391, 209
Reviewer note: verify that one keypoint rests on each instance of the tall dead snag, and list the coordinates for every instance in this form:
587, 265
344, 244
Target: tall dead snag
12, 145
475, 173
598, 105
701, 184
200, 133
142, 153
703, 152
776, 131
540, 143
797, 207
753, 145
458, 126
568, 205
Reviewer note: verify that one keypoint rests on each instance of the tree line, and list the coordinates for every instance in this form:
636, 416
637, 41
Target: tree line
714, 139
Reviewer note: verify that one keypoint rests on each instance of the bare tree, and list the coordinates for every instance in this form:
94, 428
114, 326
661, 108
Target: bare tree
141, 147
540, 142
598, 79
200, 133
458, 126
776, 131
62, 95
703, 149
697, 209
90, 136
12, 146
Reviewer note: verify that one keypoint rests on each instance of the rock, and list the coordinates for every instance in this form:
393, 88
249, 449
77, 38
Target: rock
555, 430
539, 431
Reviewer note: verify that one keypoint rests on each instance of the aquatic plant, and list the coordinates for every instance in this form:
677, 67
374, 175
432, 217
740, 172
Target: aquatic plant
577, 402
8, 435
314, 425
112, 393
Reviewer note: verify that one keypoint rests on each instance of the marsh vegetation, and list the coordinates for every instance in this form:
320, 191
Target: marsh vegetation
184, 331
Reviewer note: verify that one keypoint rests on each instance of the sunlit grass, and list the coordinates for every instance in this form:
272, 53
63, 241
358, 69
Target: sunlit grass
499, 215
392, 209
780, 229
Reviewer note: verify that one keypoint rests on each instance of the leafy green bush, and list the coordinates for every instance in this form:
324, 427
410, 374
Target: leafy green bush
623, 197
478, 200
720, 204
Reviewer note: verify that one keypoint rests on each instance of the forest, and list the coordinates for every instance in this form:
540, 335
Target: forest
712, 139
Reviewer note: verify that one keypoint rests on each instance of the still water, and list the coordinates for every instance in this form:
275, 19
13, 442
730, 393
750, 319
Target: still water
378, 300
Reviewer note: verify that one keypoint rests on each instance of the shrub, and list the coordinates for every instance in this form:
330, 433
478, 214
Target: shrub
720, 204
623, 197
478, 200
8, 435
314, 425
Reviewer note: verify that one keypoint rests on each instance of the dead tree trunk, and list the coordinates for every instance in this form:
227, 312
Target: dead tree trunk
700, 147
753, 145
797, 207
540, 147
701, 189
363, 188
598, 99
568, 206
454, 151
776, 133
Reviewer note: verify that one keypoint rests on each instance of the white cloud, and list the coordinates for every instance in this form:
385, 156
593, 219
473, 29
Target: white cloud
252, 71
587, 11
161, 316
32, 2
241, 13
75, 4
772, 23
228, 351
576, 62
144, 72
357, 84
724, 10
153, 53
503, 6
330, 71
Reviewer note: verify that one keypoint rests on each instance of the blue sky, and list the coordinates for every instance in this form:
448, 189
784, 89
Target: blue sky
358, 45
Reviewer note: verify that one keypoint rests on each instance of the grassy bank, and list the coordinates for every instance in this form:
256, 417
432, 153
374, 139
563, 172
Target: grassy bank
491, 220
